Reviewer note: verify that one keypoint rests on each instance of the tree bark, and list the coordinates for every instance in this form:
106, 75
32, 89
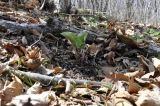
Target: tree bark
65, 6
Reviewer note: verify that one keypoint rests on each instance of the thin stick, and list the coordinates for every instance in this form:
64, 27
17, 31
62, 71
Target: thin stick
54, 80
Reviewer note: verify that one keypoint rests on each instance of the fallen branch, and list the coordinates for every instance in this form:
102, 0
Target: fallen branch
54, 25
44, 79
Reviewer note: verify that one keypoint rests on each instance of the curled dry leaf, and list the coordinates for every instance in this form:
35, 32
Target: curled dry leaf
31, 63
13, 89
133, 86
147, 64
35, 89
127, 76
34, 53
43, 99
32, 60
125, 39
11, 48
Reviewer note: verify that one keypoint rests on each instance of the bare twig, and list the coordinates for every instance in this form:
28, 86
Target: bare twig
54, 80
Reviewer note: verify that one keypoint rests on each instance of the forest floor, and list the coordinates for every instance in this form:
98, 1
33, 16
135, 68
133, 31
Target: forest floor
55, 59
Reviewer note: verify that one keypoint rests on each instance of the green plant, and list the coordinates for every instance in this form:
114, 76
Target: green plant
77, 40
153, 32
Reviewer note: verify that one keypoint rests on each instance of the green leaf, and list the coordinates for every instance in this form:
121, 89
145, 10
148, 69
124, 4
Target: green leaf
72, 37
81, 39
77, 41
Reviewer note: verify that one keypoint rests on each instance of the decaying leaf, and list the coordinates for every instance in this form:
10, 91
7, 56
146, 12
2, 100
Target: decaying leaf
15, 88
147, 64
133, 87
31, 63
34, 53
127, 76
125, 39
32, 59
57, 70
11, 48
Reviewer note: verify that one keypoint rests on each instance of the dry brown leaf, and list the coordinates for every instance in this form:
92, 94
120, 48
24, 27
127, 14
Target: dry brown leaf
125, 39
127, 76
32, 59
147, 64
11, 48
148, 98
118, 76
133, 87
57, 70
35, 89
34, 53
31, 63
13, 89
